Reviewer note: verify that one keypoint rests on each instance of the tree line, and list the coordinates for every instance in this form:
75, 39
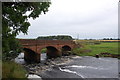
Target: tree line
111, 39
58, 37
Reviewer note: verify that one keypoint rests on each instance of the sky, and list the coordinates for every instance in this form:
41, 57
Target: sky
83, 19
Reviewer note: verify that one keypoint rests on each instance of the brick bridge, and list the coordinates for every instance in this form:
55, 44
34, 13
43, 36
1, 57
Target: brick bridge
55, 48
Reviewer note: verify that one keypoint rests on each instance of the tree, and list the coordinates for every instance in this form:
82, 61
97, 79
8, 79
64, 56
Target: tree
15, 20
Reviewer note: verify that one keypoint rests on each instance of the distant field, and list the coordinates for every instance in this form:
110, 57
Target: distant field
93, 47
109, 40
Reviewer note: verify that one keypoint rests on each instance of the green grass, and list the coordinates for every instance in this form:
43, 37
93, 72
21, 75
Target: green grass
91, 49
106, 47
12, 70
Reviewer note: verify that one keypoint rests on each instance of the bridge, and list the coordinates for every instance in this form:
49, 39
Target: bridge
55, 48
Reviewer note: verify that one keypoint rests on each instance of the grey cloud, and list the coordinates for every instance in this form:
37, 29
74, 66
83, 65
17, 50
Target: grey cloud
98, 24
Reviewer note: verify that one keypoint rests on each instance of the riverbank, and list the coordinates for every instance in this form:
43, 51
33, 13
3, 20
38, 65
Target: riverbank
11, 69
96, 47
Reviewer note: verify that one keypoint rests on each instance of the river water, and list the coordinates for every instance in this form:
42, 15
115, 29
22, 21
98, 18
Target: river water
80, 67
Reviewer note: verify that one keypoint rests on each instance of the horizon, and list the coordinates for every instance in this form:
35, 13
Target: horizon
74, 38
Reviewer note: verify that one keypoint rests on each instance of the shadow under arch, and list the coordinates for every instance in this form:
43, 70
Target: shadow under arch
66, 50
31, 56
52, 52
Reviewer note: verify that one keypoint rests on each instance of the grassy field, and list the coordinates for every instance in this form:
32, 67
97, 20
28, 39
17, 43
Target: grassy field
93, 47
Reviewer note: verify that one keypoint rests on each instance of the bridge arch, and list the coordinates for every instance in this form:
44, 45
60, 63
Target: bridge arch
31, 56
51, 52
66, 49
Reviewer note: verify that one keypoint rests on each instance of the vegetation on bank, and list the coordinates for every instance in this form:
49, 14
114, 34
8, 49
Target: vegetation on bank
0, 68
13, 70
94, 47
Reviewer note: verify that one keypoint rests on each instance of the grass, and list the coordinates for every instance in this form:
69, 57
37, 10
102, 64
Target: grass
93, 47
12, 70
0, 69
106, 47
44, 50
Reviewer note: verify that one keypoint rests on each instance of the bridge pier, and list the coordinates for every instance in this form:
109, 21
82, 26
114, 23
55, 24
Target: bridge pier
31, 56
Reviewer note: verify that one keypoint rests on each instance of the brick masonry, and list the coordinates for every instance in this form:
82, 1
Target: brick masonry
38, 45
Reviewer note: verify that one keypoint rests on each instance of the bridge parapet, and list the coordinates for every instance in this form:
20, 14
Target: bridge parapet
42, 42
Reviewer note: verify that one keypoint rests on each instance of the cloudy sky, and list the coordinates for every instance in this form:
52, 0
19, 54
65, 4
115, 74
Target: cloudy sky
79, 18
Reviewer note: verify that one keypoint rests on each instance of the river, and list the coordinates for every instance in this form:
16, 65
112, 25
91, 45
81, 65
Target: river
81, 67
